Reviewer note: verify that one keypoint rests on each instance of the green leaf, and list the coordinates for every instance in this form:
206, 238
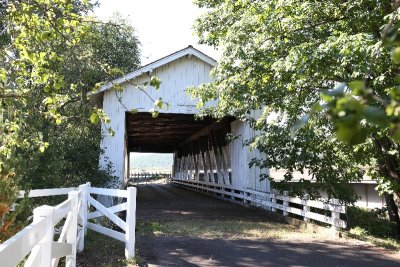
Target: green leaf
134, 110
111, 132
357, 87
351, 135
58, 121
375, 115
94, 118
158, 103
155, 82
58, 85
396, 55
154, 113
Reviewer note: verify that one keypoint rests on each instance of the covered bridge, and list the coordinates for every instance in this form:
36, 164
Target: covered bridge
200, 149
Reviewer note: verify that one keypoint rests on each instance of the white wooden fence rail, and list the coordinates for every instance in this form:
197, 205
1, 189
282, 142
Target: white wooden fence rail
37, 239
270, 201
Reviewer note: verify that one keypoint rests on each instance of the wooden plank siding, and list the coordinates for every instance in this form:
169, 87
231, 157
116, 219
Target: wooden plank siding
175, 76
200, 149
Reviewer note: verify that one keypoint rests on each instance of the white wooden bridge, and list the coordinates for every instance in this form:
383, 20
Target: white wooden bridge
204, 161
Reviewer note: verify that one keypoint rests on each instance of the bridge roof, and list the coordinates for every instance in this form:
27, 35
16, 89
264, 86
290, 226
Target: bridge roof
169, 132
188, 51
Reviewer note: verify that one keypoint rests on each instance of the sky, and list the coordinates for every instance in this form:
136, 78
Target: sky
162, 26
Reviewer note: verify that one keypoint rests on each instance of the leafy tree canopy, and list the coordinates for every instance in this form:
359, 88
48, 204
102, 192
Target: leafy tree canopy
284, 58
53, 54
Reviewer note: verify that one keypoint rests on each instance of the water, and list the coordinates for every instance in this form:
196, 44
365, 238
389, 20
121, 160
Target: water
151, 162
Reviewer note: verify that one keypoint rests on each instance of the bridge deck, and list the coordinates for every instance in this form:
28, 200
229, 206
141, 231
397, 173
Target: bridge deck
162, 206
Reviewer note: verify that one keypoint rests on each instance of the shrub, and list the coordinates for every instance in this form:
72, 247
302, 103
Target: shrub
374, 222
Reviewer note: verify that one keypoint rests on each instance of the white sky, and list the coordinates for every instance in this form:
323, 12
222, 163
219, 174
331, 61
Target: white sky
162, 26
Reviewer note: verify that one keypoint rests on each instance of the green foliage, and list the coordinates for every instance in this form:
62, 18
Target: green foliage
282, 57
369, 222
12, 216
53, 54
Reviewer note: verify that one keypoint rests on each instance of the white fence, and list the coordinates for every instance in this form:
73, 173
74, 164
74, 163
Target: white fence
270, 201
37, 239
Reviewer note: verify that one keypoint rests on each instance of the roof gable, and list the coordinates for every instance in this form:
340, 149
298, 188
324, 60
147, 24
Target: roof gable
188, 51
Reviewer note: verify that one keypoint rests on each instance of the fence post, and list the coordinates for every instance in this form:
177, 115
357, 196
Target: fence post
306, 208
83, 211
335, 216
46, 244
273, 199
70, 260
286, 202
130, 223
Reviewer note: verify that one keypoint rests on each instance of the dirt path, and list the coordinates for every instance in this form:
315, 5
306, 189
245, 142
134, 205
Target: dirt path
177, 227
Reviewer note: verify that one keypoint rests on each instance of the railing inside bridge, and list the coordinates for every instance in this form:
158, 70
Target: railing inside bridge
37, 239
328, 213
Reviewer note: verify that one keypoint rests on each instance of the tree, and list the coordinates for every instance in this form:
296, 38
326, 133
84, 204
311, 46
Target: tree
31, 32
52, 56
74, 146
282, 56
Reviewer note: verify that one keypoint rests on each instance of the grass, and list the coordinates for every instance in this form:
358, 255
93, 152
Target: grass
103, 251
372, 226
224, 229
360, 234
233, 229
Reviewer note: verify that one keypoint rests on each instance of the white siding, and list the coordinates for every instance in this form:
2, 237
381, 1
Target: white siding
175, 77
242, 175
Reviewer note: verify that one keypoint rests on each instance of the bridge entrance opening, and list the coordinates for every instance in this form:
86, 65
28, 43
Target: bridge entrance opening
198, 147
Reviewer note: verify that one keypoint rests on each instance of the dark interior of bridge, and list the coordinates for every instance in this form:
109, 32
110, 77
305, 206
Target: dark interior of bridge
169, 132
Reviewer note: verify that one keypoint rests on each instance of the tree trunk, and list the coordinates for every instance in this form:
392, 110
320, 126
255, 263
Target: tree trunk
389, 168
393, 214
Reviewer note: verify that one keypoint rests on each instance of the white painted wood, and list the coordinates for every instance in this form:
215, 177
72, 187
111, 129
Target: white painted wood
273, 199
265, 200
131, 223
37, 238
87, 206
175, 76
46, 192
108, 192
18, 246
61, 250
70, 260
118, 221
34, 258
83, 215
106, 231
61, 210
160, 63
113, 209
335, 217
285, 203
306, 208
46, 213
65, 229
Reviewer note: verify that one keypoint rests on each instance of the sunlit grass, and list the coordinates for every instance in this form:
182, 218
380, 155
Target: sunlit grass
225, 229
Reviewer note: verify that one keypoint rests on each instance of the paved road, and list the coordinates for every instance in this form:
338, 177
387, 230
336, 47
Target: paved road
166, 202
